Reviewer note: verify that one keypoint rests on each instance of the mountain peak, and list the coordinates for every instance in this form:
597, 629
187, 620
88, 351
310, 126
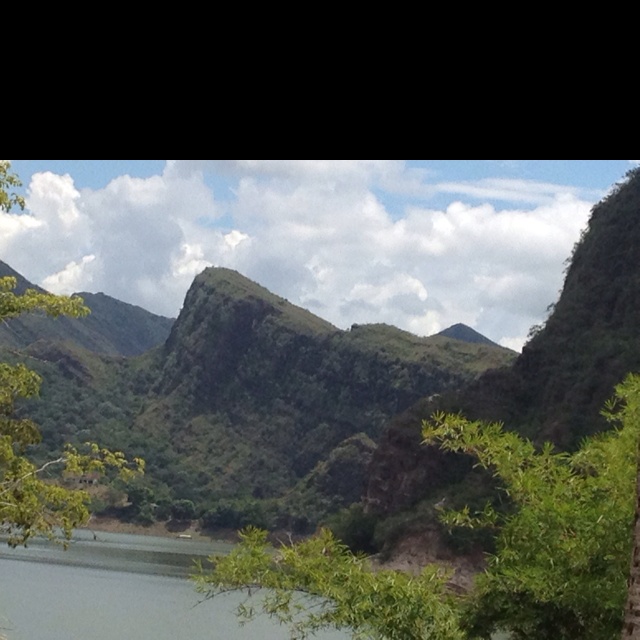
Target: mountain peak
465, 333
219, 285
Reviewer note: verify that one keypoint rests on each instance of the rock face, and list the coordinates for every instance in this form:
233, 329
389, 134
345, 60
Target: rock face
558, 385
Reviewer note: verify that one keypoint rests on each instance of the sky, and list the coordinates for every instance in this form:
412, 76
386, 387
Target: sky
421, 245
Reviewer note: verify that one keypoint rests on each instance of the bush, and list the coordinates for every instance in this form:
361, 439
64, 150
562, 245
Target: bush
354, 528
183, 510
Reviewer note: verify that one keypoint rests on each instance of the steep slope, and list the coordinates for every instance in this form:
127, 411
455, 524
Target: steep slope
254, 392
112, 328
21, 282
557, 386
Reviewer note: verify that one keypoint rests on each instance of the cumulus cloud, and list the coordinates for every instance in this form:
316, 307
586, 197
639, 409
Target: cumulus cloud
74, 276
319, 233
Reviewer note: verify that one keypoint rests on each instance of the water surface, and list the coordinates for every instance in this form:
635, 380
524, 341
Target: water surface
118, 587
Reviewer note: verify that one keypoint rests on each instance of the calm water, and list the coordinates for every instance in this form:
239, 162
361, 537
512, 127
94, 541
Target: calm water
119, 587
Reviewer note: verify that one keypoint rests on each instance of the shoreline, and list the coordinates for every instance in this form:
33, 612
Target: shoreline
410, 556
159, 529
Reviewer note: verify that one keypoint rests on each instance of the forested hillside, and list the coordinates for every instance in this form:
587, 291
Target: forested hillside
556, 388
250, 399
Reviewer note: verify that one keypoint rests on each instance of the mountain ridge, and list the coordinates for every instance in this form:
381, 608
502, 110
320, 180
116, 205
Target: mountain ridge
555, 389
112, 328
249, 398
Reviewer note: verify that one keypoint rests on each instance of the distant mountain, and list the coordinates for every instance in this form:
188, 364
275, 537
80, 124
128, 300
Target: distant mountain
124, 329
466, 334
21, 282
112, 328
556, 388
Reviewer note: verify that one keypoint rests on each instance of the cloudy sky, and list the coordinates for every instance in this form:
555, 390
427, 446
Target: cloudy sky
417, 244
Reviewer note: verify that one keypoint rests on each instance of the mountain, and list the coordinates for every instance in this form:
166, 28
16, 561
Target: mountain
250, 399
466, 334
556, 388
22, 284
254, 391
112, 328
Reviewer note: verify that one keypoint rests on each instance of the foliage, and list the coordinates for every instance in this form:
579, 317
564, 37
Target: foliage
240, 513
30, 503
8, 182
334, 483
12, 305
183, 510
559, 569
354, 527
562, 556
319, 583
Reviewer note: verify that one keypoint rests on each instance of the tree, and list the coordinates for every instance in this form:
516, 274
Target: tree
183, 510
29, 503
8, 182
563, 546
559, 570
319, 584
631, 626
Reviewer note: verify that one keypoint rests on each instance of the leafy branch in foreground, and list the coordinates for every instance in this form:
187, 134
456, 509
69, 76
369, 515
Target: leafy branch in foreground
29, 503
562, 557
8, 182
559, 571
319, 584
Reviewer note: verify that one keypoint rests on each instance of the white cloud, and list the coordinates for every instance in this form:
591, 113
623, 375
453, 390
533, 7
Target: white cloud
74, 277
235, 237
318, 233
511, 190
55, 198
190, 262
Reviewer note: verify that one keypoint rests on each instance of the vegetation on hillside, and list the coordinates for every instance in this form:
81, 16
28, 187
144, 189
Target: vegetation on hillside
554, 390
113, 327
559, 569
246, 398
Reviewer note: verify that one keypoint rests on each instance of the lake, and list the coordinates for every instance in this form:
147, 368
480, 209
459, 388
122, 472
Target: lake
118, 587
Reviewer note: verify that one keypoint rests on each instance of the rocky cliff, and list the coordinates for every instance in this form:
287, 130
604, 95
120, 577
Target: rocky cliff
557, 386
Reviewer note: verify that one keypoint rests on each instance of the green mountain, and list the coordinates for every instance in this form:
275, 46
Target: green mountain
556, 388
254, 392
467, 334
250, 399
112, 328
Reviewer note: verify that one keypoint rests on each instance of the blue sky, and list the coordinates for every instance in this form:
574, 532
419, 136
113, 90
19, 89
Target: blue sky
418, 244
